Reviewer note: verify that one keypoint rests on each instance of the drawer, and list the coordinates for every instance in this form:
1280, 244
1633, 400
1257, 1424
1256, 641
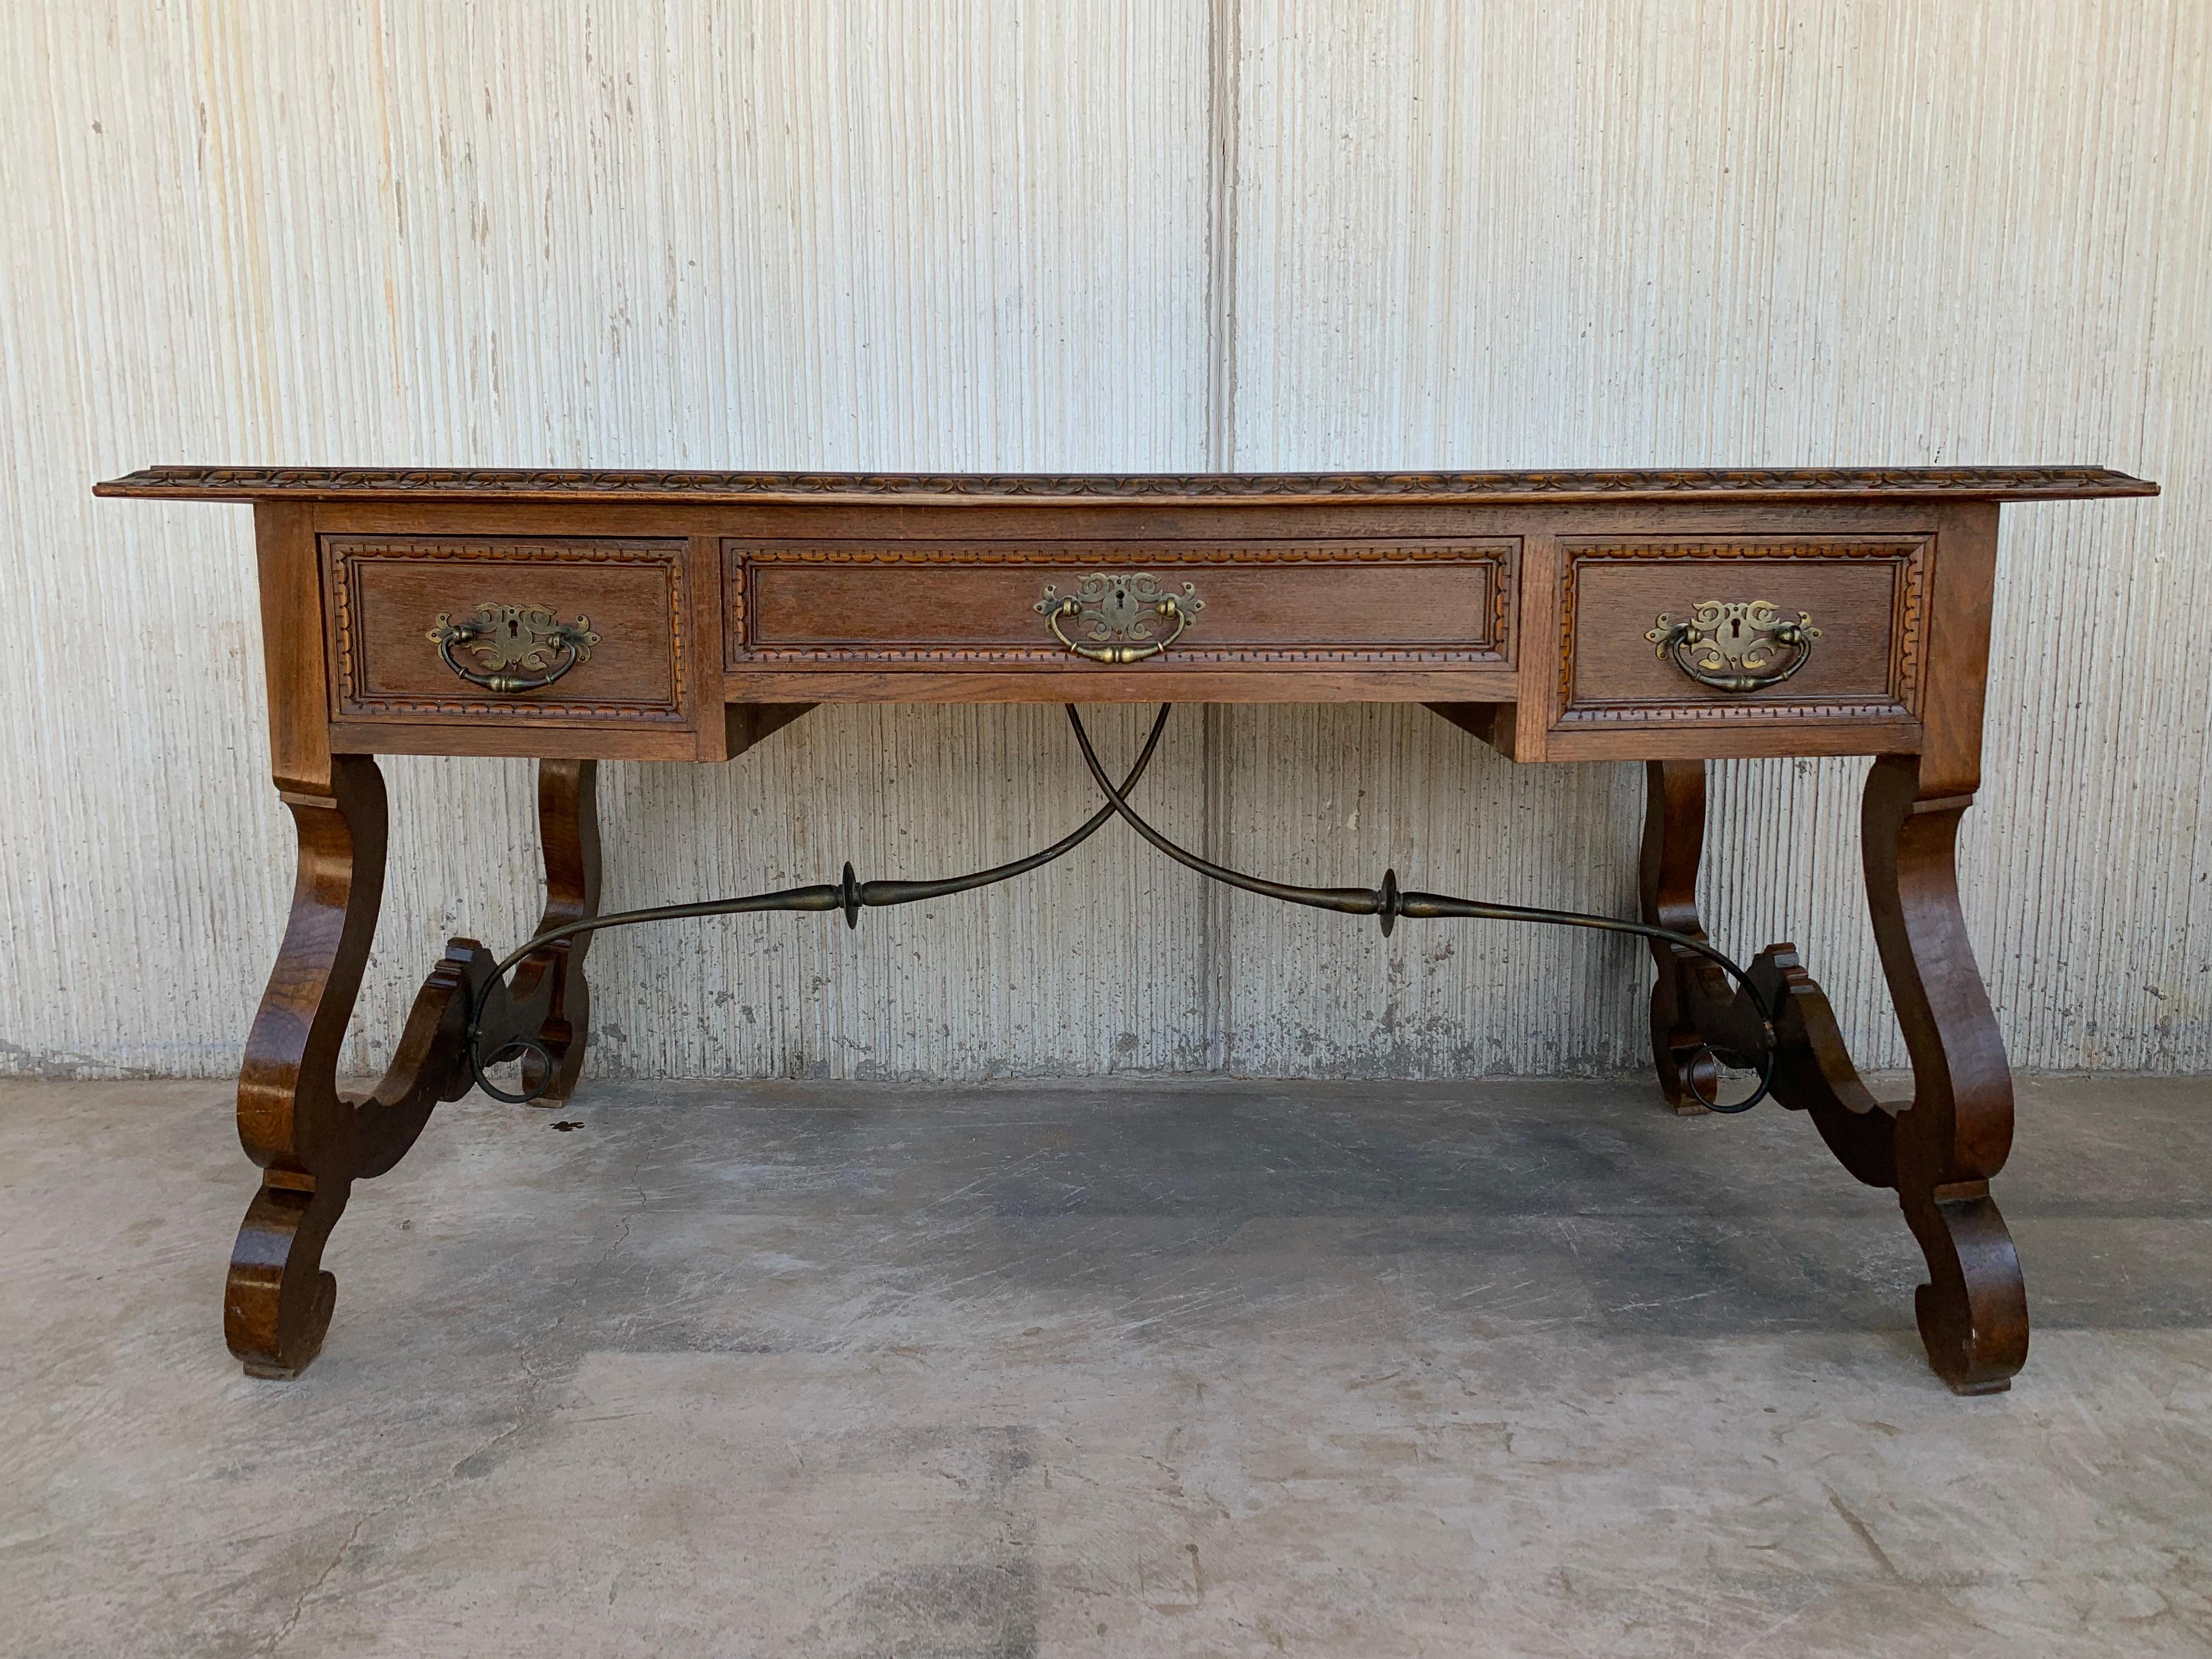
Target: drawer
936, 606
588, 630
1658, 632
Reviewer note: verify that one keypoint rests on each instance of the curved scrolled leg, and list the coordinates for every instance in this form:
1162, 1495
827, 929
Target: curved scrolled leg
568, 824
1673, 841
314, 1142
1938, 1149
291, 1118
1957, 1132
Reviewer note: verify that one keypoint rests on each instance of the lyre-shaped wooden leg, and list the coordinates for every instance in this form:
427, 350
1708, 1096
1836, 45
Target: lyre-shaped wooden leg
1673, 841
569, 825
1939, 1149
1957, 1130
313, 1142
293, 1122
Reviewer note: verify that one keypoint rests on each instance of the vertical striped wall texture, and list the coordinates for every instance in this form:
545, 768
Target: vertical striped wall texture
1114, 234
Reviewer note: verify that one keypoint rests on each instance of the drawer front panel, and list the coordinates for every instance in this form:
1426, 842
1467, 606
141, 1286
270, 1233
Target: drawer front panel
387, 594
1865, 596
892, 604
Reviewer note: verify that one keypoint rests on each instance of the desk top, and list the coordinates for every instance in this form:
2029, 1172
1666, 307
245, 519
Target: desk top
248, 483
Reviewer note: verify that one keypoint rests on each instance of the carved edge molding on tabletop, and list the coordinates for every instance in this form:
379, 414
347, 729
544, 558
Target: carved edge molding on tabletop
2016, 482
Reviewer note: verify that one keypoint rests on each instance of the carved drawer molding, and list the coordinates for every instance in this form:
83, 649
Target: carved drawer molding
1407, 602
1863, 598
390, 598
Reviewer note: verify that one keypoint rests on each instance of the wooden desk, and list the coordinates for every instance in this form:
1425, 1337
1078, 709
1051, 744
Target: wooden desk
1667, 618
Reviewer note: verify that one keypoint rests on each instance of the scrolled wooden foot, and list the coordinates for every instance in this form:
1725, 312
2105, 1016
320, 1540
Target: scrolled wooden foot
277, 1302
1972, 1313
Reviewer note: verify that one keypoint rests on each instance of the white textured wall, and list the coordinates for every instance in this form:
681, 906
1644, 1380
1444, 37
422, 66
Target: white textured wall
1111, 234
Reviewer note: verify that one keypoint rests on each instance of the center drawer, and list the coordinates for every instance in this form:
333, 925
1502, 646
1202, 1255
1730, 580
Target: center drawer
893, 605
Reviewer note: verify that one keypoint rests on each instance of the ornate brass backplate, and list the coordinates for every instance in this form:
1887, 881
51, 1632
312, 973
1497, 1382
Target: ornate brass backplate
509, 636
1736, 645
1119, 612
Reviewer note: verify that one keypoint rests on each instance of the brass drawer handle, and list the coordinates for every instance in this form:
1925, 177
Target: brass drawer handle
1119, 607
507, 637
1736, 645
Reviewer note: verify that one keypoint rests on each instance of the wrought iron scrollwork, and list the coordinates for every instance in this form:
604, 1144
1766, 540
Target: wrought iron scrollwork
1736, 645
849, 896
507, 636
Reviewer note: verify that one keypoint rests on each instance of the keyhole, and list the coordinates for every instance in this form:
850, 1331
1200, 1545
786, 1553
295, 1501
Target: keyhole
514, 628
1735, 628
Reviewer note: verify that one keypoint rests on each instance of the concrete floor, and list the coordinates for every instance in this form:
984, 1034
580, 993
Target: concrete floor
1208, 1368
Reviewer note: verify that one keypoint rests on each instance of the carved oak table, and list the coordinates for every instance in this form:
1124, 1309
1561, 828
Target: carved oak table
1668, 617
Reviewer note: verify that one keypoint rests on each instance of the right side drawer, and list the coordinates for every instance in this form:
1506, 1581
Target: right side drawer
1740, 632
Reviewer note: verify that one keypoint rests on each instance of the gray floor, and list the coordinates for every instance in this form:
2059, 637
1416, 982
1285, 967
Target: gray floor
1520, 1368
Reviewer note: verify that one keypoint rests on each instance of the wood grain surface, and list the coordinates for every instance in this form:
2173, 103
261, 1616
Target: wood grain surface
945, 615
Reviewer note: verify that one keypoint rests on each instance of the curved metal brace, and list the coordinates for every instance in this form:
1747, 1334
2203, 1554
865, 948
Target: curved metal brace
847, 894
1387, 902
850, 896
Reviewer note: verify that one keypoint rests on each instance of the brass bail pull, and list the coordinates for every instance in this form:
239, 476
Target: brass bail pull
506, 637
1736, 645
1119, 615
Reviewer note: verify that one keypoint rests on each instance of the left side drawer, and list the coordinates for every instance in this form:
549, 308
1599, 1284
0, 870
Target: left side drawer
567, 631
